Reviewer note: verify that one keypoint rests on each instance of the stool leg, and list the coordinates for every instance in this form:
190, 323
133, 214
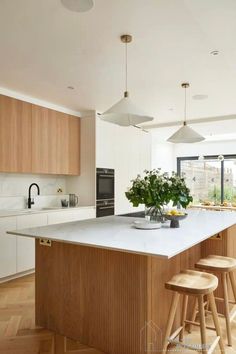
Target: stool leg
194, 314
170, 321
233, 284
226, 304
202, 323
183, 317
216, 321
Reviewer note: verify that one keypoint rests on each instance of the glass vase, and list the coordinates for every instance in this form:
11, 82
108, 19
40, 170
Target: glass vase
154, 214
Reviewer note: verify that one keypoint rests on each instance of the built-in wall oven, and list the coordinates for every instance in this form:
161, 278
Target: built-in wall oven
105, 183
105, 208
105, 191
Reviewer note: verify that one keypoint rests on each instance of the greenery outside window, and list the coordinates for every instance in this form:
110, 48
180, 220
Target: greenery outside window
211, 179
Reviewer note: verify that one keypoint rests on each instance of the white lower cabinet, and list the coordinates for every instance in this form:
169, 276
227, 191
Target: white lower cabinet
25, 246
7, 247
59, 217
17, 253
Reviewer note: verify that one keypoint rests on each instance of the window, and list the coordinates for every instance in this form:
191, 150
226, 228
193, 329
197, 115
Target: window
209, 180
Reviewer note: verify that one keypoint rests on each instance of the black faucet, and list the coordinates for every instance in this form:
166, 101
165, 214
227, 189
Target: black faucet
31, 200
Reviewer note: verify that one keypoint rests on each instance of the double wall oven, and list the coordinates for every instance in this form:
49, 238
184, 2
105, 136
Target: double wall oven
105, 204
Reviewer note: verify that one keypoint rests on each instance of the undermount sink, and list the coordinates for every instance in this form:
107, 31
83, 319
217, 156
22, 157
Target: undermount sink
40, 209
33, 210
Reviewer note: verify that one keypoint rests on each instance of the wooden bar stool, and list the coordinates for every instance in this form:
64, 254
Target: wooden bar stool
226, 266
197, 284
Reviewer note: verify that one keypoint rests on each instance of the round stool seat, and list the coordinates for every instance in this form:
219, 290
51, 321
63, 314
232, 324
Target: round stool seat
193, 282
217, 263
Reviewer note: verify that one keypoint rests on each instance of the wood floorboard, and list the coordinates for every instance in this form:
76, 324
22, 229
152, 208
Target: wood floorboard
19, 335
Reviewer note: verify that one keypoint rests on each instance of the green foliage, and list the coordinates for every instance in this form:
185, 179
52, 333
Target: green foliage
157, 189
214, 194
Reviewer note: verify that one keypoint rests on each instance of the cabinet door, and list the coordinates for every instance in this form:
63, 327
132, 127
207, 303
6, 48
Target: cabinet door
44, 140
74, 146
15, 135
7, 247
25, 255
59, 217
62, 143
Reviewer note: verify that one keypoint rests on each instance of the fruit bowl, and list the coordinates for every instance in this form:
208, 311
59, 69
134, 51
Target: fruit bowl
175, 218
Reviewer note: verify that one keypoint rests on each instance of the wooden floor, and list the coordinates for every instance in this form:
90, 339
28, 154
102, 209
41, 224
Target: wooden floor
19, 335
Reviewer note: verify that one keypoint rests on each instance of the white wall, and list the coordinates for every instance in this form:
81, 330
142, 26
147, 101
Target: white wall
128, 151
14, 189
163, 156
13, 184
85, 184
205, 148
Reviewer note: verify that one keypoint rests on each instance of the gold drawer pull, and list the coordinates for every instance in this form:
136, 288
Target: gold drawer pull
218, 237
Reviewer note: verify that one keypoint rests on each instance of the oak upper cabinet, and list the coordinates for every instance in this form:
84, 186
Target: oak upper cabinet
34, 139
55, 142
44, 140
74, 146
62, 144
15, 135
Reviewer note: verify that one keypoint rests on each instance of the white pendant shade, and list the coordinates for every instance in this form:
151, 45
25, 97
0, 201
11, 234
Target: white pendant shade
78, 5
185, 135
125, 113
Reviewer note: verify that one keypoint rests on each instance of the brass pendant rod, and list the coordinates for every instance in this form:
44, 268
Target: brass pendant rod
126, 38
185, 85
126, 68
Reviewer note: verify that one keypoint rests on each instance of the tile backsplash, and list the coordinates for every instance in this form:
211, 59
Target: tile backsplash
14, 190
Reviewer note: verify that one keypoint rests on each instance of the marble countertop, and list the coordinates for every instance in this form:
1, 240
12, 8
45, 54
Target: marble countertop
117, 233
17, 212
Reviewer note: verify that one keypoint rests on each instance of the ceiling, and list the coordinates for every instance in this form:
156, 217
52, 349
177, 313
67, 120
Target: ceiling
45, 48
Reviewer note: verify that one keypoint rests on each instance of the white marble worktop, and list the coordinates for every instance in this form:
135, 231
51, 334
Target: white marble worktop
117, 233
17, 212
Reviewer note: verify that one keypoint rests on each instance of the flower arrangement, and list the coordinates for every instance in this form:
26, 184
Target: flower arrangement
156, 189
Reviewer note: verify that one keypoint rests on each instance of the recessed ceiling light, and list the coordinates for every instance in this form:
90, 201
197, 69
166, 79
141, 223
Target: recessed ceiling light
200, 97
78, 5
70, 87
214, 52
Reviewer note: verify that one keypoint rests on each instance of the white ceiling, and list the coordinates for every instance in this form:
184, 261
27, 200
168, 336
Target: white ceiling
45, 48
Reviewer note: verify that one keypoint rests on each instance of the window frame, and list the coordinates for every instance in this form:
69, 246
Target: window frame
208, 157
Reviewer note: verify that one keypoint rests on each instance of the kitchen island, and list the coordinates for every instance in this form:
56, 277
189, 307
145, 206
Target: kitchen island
101, 281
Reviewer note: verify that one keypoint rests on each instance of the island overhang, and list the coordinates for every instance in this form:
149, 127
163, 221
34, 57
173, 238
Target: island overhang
118, 234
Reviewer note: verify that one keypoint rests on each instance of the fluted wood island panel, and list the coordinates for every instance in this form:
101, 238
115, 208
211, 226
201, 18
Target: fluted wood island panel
113, 301
105, 298
102, 282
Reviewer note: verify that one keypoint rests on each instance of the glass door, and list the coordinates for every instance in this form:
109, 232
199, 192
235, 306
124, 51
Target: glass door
203, 178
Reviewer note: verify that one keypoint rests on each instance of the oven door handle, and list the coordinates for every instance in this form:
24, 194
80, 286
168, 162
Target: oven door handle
112, 176
107, 207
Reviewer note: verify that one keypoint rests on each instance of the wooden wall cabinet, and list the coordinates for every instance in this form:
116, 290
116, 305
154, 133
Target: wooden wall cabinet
74, 146
55, 142
34, 139
15, 135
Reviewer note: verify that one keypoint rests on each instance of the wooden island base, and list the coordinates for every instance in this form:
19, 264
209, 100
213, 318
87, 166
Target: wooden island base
113, 301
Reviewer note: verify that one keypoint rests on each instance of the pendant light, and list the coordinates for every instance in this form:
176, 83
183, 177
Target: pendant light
185, 134
124, 112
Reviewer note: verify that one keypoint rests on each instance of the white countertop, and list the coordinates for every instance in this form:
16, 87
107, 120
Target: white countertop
117, 233
17, 212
